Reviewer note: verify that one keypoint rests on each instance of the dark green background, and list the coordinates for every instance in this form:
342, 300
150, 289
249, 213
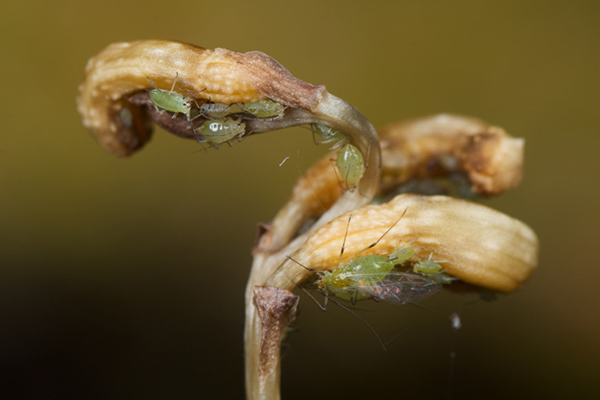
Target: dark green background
124, 278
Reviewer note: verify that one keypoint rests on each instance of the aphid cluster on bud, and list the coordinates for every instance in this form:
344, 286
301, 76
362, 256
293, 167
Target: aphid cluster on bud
223, 122
376, 276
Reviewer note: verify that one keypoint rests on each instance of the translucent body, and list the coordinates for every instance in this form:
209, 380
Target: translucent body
264, 108
170, 100
372, 277
327, 135
221, 131
351, 165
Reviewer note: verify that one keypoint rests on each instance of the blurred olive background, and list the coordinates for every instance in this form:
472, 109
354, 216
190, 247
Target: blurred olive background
124, 277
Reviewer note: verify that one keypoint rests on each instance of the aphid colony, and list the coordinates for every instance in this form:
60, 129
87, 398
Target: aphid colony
222, 122
377, 277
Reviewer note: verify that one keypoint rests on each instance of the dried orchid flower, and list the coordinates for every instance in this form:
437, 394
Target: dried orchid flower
219, 96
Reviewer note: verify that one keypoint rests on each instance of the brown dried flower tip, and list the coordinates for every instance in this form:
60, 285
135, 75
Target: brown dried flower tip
276, 309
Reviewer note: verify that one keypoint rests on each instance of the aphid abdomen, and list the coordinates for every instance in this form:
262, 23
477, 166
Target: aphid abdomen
264, 108
373, 267
221, 131
351, 165
348, 293
427, 267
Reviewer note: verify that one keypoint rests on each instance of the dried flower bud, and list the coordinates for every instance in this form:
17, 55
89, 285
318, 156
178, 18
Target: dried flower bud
222, 76
420, 148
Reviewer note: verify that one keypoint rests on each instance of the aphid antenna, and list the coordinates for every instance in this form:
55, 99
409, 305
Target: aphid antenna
306, 268
377, 241
152, 83
344, 242
174, 82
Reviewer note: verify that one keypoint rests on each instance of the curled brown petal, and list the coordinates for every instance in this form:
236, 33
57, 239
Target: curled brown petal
420, 148
122, 69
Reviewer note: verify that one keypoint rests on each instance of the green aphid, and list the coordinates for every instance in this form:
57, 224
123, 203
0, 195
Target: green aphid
433, 271
264, 108
215, 110
427, 267
221, 131
372, 276
170, 100
327, 135
351, 165
402, 255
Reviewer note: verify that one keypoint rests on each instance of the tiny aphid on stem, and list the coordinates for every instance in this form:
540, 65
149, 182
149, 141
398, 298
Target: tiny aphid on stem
215, 110
171, 100
266, 108
327, 135
433, 271
351, 165
372, 276
221, 131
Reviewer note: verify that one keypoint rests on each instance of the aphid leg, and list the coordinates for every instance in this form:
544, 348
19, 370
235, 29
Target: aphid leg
152, 83
362, 319
306, 268
322, 307
339, 178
